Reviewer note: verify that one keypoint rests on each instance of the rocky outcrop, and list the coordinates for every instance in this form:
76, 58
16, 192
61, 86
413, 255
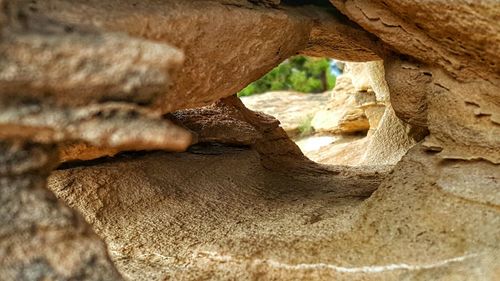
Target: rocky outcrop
293, 110
360, 103
229, 122
456, 68
226, 223
461, 38
217, 65
40, 237
102, 77
345, 111
213, 212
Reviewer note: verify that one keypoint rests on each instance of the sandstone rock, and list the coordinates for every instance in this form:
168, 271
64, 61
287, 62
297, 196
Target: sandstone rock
40, 237
219, 122
462, 38
293, 110
261, 210
218, 65
179, 215
346, 150
345, 111
360, 103
230, 122
59, 83
225, 223
80, 151
470, 128
409, 84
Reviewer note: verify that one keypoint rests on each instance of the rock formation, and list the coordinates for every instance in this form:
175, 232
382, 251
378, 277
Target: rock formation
293, 110
229, 195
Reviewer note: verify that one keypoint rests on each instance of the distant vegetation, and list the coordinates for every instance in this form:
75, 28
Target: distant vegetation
301, 74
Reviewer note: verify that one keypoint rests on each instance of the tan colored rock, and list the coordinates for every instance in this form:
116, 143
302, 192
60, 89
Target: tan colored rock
346, 150
260, 210
293, 110
390, 141
117, 126
470, 129
224, 223
216, 64
409, 84
60, 83
80, 151
344, 113
218, 123
229, 122
462, 38
41, 239
361, 104
83, 67
179, 215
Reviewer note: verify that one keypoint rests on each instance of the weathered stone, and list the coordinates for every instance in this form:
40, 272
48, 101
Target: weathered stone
409, 84
293, 110
117, 126
470, 127
219, 122
216, 64
177, 215
223, 223
361, 103
63, 83
40, 237
95, 75
463, 38
344, 113
230, 122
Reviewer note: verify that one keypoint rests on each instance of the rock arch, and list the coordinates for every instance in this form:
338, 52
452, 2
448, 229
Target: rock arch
95, 78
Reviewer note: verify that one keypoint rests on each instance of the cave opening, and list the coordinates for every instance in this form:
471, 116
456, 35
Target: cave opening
320, 107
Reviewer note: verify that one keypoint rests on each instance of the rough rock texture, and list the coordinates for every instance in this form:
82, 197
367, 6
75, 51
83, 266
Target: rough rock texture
99, 72
221, 223
240, 126
41, 239
60, 83
463, 37
293, 110
216, 64
213, 213
345, 111
361, 102
458, 67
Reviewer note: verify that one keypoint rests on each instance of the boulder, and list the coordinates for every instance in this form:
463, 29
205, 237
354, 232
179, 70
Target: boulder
344, 113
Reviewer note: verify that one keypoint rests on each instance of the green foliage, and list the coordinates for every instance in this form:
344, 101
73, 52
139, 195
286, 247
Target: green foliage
301, 74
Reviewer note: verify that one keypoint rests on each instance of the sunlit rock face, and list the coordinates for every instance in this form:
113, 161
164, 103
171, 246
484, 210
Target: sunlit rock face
229, 195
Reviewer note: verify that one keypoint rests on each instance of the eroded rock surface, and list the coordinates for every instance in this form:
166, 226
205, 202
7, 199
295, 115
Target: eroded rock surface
42, 239
344, 113
294, 110
361, 103
218, 222
101, 77
217, 64
212, 212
